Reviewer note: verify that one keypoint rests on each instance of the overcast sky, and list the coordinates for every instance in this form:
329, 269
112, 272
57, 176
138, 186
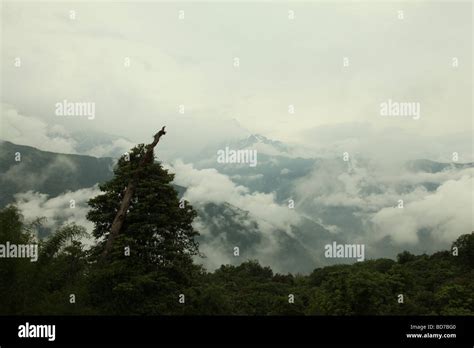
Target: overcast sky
282, 62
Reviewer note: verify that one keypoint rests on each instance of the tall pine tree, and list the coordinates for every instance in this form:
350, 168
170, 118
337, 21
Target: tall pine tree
150, 261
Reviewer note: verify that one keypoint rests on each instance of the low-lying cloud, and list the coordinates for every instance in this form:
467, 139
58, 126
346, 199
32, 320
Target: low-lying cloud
390, 201
447, 213
58, 210
208, 185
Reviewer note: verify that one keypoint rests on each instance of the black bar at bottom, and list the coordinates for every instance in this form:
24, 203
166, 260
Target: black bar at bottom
227, 330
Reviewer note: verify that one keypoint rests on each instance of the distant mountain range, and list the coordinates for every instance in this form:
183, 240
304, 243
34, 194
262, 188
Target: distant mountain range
47, 172
427, 166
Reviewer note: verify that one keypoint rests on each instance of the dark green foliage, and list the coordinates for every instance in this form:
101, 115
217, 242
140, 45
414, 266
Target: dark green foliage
157, 230
465, 245
41, 287
440, 284
151, 261
13, 272
405, 257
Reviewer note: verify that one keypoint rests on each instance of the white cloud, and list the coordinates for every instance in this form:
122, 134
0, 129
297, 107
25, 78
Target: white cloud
32, 131
389, 144
208, 185
106, 150
371, 191
57, 210
188, 62
446, 213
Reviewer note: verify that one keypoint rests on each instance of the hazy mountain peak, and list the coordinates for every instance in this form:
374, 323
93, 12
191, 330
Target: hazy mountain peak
263, 144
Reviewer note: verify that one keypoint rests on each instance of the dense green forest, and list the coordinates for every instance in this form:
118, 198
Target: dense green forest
150, 269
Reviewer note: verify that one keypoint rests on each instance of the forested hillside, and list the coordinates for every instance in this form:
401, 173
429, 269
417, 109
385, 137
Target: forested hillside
438, 284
